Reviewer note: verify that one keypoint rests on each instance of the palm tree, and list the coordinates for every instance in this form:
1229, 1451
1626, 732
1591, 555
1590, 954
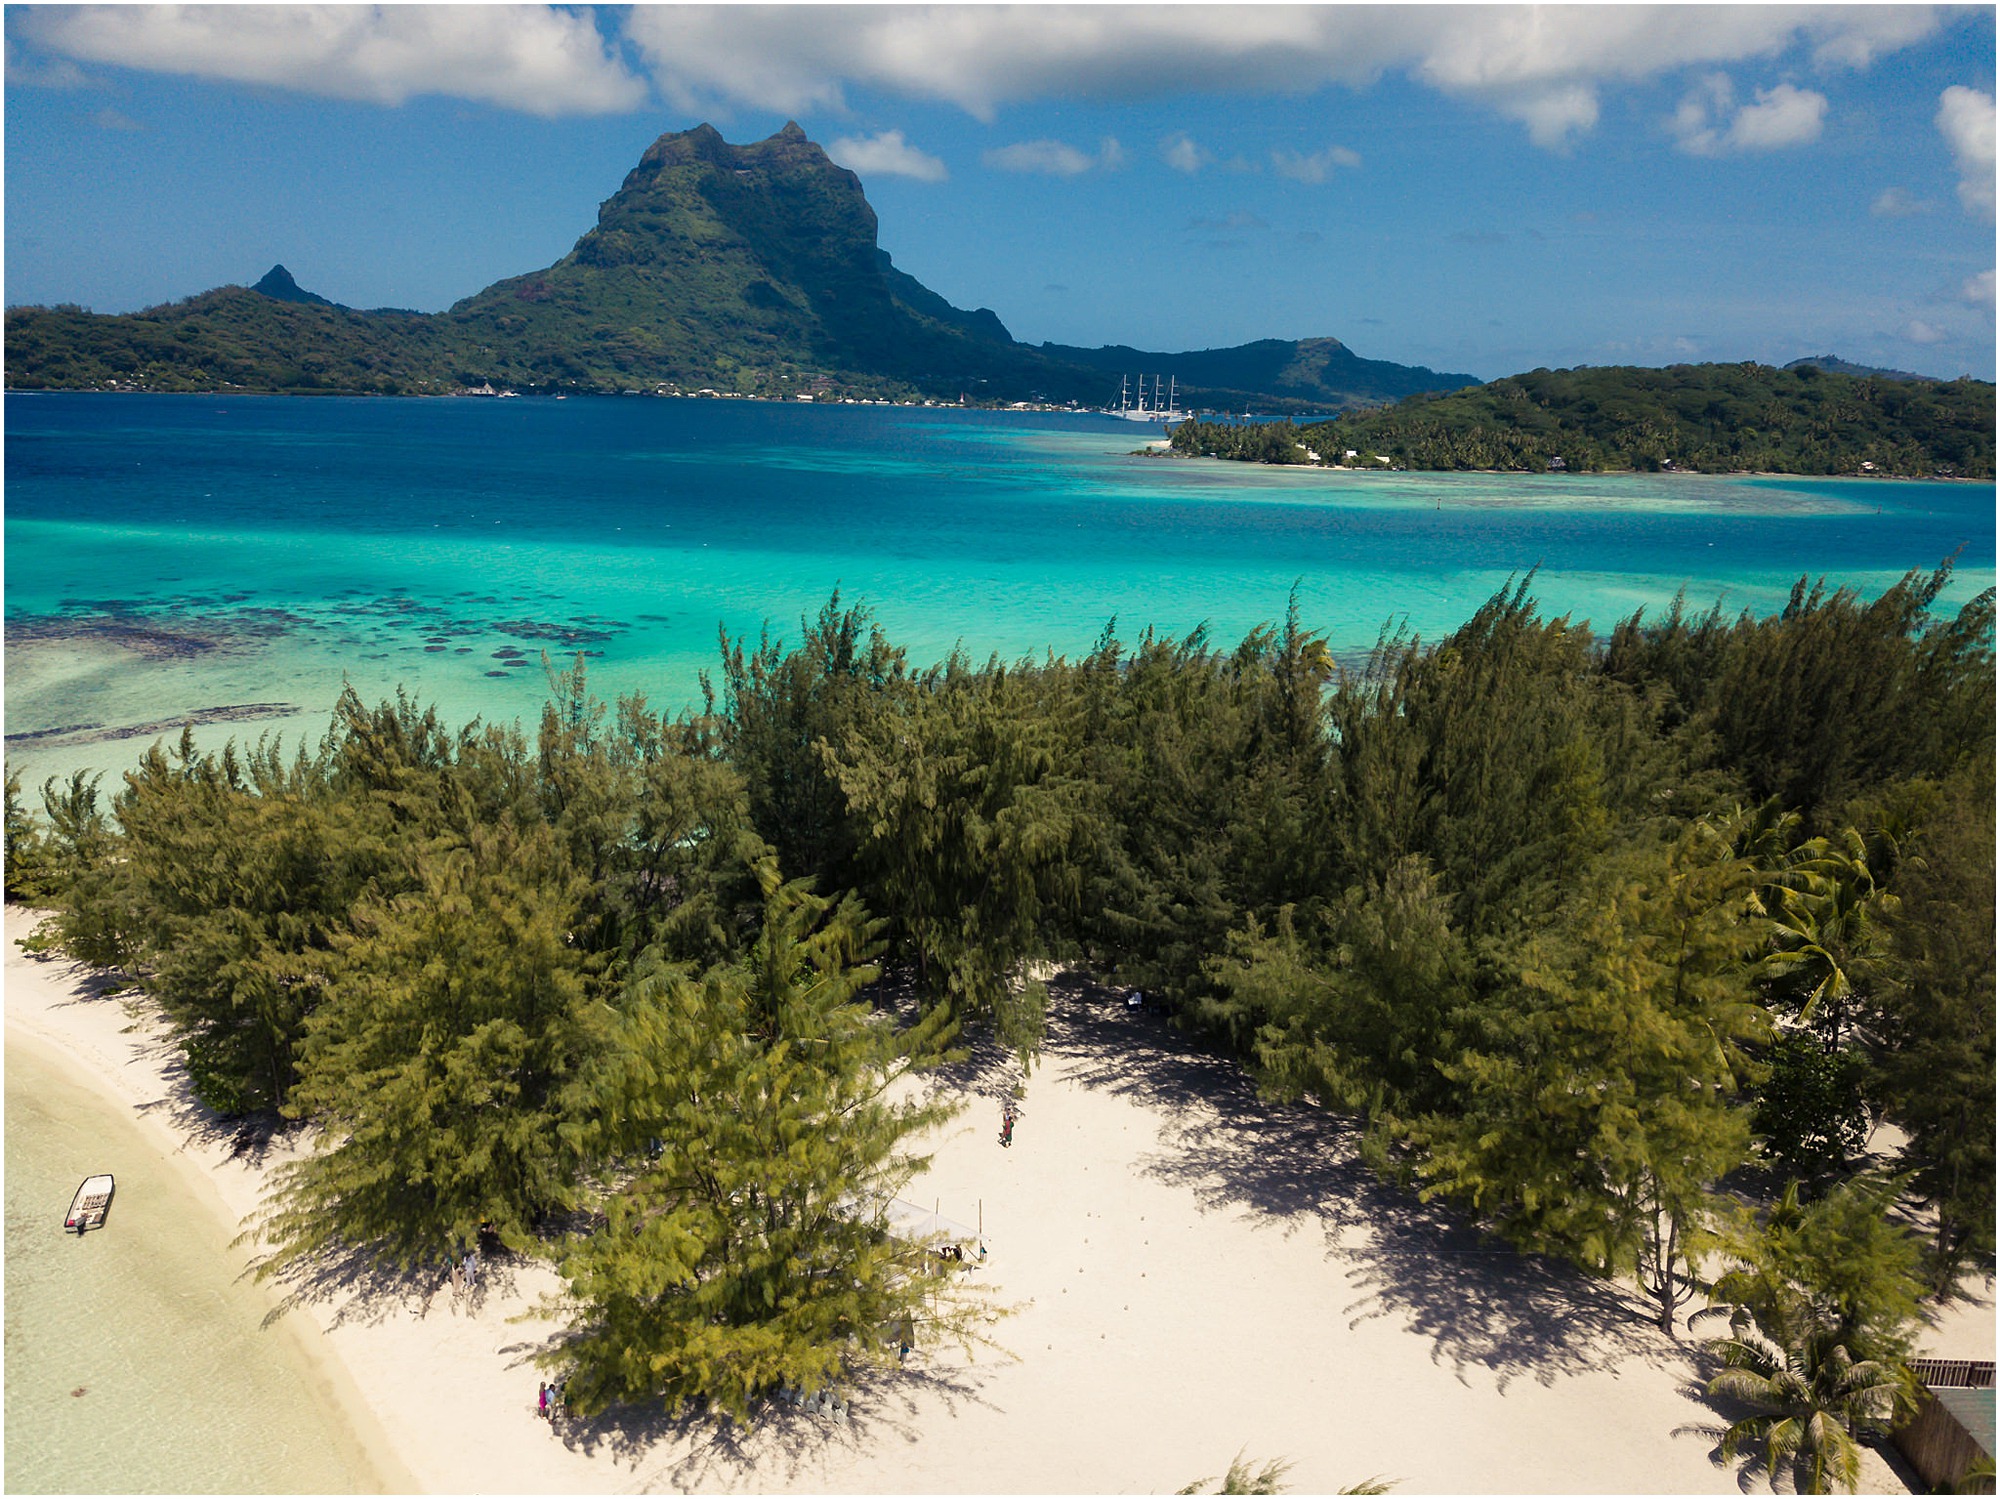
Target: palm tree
1814, 1400
1827, 906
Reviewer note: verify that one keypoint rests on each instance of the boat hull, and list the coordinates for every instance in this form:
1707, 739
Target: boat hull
91, 1206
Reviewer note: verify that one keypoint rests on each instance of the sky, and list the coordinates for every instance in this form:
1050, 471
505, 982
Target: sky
1480, 189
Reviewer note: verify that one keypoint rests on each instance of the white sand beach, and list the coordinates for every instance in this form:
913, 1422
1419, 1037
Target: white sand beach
1196, 1274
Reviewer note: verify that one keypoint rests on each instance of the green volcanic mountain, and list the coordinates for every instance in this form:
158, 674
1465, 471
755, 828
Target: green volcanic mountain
750, 268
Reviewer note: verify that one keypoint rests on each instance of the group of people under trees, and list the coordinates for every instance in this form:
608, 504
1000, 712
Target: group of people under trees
1739, 871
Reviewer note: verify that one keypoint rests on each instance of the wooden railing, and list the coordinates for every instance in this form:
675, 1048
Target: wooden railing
1953, 1373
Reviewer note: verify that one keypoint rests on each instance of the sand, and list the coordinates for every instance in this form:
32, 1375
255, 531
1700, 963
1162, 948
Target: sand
1195, 1274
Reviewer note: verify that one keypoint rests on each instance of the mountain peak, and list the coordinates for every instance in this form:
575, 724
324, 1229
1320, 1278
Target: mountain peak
278, 283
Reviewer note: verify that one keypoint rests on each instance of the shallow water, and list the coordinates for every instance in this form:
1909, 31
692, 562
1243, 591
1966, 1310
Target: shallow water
136, 1359
239, 558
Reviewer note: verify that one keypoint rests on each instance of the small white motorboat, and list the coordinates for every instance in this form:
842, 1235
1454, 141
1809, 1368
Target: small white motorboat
91, 1205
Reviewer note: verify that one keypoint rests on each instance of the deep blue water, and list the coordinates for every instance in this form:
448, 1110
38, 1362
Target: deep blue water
168, 554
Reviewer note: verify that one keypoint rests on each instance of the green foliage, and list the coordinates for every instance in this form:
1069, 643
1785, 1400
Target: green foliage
457, 1016
1936, 1020
752, 1141
1243, 1479
1364, 1017
1715, 418
655, 822
1595, 1098
1246, 442
79, 875
28, 855
1813, 1400
780, 707
1834, 696
1497, 894
1810, 1113
966, 827
1837, 1269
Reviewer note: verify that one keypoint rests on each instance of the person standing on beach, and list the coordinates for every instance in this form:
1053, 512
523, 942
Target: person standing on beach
542, 1400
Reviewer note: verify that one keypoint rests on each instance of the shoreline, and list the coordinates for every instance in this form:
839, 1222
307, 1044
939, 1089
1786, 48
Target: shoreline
1192, 1272
84, 1055
1156, 451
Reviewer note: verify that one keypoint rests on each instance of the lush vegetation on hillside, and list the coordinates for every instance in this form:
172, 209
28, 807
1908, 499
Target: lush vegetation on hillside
232, 339
1578, 928
1313, 375
750, 269
1711, 418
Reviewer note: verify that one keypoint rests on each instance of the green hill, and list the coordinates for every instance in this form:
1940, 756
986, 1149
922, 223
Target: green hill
1711, 418
750, 268
1313, 374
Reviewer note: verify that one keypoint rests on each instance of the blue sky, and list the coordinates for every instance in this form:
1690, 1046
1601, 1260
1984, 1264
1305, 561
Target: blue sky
1482, 189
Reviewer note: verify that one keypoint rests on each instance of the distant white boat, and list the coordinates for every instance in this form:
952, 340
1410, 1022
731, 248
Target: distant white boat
1164, 408
91, 1205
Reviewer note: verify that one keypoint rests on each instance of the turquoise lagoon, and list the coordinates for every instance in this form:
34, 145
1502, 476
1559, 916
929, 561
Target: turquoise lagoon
239, 558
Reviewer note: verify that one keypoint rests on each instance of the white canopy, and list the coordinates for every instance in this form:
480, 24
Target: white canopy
908, 1221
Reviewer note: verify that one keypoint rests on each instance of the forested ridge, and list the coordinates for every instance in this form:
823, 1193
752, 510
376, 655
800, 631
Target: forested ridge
1707, 418
1602, 938
751, 269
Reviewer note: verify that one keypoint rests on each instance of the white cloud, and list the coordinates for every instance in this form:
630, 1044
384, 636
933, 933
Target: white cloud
1711, 98
1898, 203
1543, 66
1314, 166
1978, 290
1782, 116
530, 58
1051, 158
116, 119
1918, 332
1709, 122
1965, 116
1110, 155
1183, 155
886, 155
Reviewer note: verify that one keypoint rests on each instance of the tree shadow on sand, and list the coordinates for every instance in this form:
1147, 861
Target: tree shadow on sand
356, 1288
695, 1449
1479, 1301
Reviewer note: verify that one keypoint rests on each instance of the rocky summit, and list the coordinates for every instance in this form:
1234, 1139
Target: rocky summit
734, 268
713, 262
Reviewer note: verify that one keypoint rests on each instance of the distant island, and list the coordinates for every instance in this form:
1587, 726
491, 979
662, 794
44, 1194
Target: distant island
1696, 418
715, 268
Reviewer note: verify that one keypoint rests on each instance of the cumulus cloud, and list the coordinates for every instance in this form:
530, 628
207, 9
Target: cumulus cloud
1919, 332
1183, 155
1978, 290
886, 155
1898, 203
531, 58
1709, 122
1542, 66
1314, 166
1782, 116
1050, 158
1965, 116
